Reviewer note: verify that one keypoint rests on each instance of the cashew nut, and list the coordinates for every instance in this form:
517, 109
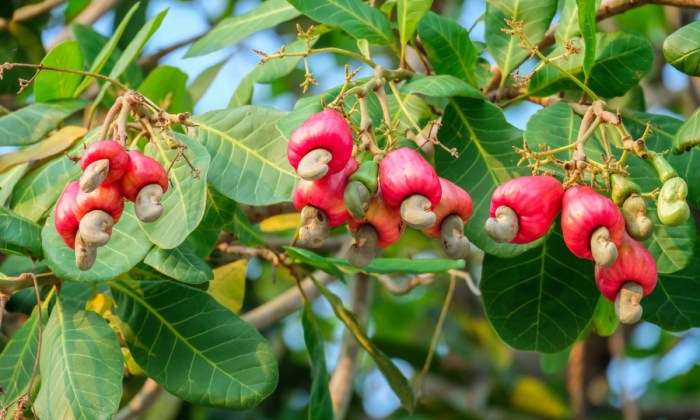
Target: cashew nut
454, 242
85, 254
94, 174
314, 165
504, 227
415, 211
364, 246
627, 303
316, 227
603, 249
95, 227
147, 204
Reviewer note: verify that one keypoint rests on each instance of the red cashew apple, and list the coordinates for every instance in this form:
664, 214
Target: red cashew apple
321, 205
65, 221
144, 182
592, 225
381, 227
523, 209
97, 212
409, 182
632, 276
451, 214
102, 162
321, 146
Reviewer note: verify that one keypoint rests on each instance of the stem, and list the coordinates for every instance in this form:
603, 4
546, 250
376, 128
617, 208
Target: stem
335, 50
40, 67
436, 335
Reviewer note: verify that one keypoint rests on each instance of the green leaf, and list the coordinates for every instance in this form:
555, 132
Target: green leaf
449, 48
18, 357
228, 286
440, 86
249, 155
688, 135
541, 300
320, 405
337, 266
81, 366
31, 123
53, 145
50, 85
479, 132
359, 20
586, 16
505, 48
105, 54
674, 304
243, 230
229, 31
408, 14
19, 235
180, 264
126, 248
568, 26
393, 375
621, 60
174, 93
9, 180
604, 321
183, 203
224, 213
201, 84
682, 49
192, 346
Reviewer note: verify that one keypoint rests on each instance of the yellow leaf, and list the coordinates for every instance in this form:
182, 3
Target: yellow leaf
280, 222
58, 142
533, 396
228, 286
101, 304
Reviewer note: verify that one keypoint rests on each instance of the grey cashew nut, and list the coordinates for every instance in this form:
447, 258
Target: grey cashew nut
415, 211
364, 247
637, 224
504, 227
94, 174
603, 249
356, 197
94, 228
85, 254
454, 242
627, 303
316, 226
147, 204
314, 165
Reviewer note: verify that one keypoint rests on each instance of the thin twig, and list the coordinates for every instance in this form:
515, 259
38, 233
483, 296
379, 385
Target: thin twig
30, 11
88, 16
147, 395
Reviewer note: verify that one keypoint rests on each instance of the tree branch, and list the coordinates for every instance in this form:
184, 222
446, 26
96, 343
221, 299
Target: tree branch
288, 302
149, 61
30, 11
342, 378
88, 16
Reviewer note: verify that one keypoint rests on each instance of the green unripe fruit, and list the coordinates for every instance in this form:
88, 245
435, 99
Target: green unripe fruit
367, 174
663, 168
672, 207
622, 188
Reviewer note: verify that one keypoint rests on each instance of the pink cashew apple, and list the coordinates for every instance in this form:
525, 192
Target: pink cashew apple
321, 146
64, 219
451, 214
632, 276
409, 182
592, 225
102, 162
381, 227
523, 209
321, 205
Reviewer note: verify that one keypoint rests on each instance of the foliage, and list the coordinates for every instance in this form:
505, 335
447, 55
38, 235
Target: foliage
189, 301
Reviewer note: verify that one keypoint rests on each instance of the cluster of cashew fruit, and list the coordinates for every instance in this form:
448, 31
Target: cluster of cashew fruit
89, 207
523, 209
377, 195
